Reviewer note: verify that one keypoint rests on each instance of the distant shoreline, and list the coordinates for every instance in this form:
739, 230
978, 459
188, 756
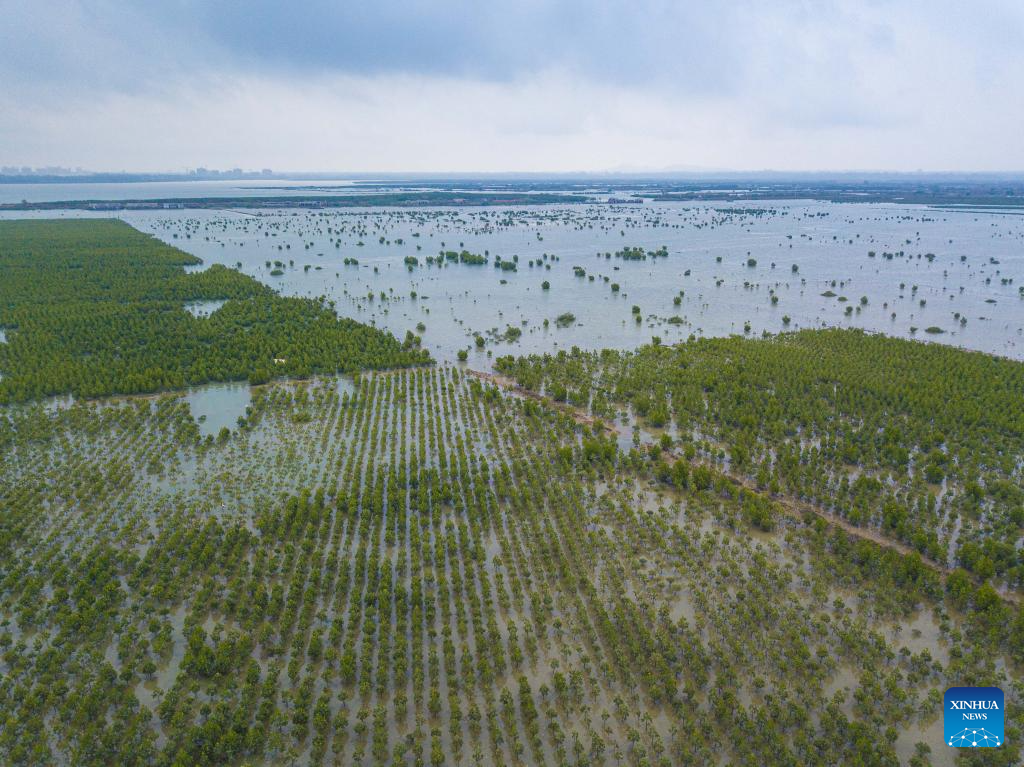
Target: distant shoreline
951, 194
426, 199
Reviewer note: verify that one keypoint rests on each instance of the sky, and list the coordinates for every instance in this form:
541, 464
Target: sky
525, 86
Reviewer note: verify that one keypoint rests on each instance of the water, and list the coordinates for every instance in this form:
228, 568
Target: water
974, 271
344, 386
218, 406
203, 308
147, 190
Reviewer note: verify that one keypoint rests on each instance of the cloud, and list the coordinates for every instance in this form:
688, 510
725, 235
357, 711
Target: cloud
124, 43
527, 86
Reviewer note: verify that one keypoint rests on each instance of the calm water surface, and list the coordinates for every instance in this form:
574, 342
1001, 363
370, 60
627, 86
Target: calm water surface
955, 273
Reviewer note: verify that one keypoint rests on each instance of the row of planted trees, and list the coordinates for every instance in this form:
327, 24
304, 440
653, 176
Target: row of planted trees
920, 441
422, 570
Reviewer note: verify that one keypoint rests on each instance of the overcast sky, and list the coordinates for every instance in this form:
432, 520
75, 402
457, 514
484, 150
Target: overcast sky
527, 85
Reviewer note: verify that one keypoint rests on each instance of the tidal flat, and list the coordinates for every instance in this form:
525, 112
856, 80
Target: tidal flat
947, 276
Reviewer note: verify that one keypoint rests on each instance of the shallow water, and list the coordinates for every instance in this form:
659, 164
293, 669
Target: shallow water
976, 270
218, 406
140, 190
203, 308
955, 264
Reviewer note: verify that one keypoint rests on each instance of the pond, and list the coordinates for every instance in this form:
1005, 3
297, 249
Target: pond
203, 308
218, 406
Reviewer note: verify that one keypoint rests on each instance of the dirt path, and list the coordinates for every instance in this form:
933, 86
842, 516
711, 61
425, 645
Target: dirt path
575, 413
793, 507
